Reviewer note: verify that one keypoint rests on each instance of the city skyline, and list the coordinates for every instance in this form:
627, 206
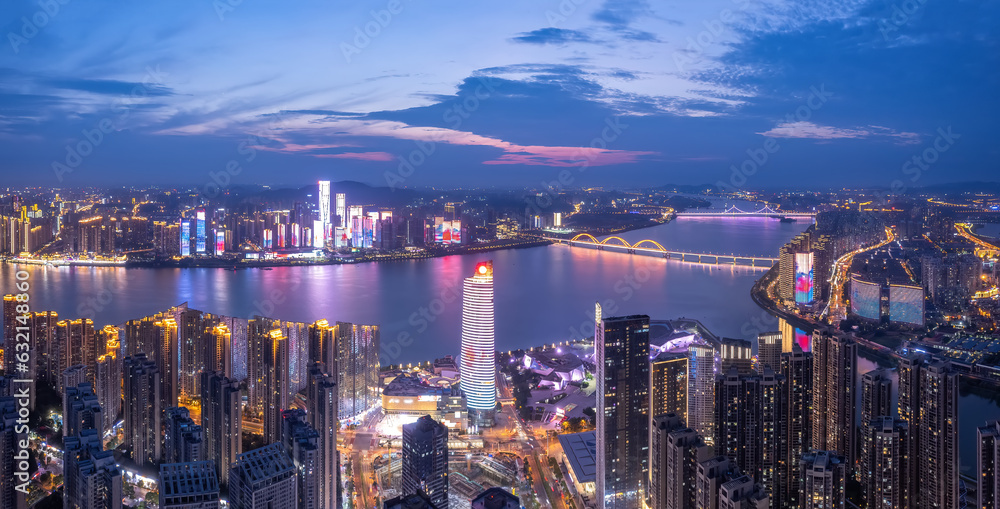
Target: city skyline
863, 92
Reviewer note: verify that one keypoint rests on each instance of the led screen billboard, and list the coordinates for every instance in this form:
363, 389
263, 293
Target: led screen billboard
906, 304
866, 299
804, 278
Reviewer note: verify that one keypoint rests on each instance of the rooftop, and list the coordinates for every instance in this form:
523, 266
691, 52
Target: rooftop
581, 451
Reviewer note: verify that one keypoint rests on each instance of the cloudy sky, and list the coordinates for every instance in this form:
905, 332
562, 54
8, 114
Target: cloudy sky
508, 94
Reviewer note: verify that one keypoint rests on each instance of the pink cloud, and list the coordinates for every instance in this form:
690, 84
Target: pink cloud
363, 156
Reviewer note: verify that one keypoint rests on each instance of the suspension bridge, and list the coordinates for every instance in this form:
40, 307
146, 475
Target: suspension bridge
734, 211
645, 246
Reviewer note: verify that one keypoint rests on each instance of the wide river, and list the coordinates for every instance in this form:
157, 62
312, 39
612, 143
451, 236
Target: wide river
543, 294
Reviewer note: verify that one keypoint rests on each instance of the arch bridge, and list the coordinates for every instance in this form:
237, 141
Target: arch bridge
734, 211
647, 246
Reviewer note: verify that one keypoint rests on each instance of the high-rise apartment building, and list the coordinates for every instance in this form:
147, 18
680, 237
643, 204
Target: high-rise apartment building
668, 384
108, 383
769, 350
622, 358
797, 368
425, 460
674, 454
221, 421
988, 465
703, 365
876, 402
357, 363
81, 410
263, 478
193, 485
142, 408
835, 371
883, 478
183, 440
824, 478
91, 478
321, 408
302, 444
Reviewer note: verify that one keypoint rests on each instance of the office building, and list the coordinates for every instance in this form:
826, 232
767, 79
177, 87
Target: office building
496, 498
797, 368
425, 460
221, 421
835, 369
142, 408
824, 478
193, 485
675, 452
703, 364
622, 359
988, 465
81, 410
478, 363
91, 478
321, 408
302, 444
769, 350
342, 209
885, 464
668, 384
263, 479
183, 440
324, 208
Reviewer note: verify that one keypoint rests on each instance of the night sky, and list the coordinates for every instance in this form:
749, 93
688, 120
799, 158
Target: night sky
507, 94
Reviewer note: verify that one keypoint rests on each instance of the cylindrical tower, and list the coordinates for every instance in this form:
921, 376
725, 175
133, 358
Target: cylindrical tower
478, 369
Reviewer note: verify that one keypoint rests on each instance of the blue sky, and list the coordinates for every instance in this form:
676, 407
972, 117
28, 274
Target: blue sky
512, 94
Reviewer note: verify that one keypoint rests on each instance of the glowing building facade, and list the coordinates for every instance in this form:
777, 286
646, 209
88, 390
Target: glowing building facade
478, 368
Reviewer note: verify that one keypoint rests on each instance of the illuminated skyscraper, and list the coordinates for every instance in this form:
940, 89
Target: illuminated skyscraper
221, 422
735, 352
622, 358
824, 477
769, 350
425, 460
674, 454
357, 372
797, 368
108, 383
9, 496
75, 345
263, 478
668, 389
199, 231
321, 408
835, 375
324, 206
988, 464
302, 444
703, 363
876, 402
142, 409
342, 209
935, 431
185, 237
276, 382
478, 368
885, 464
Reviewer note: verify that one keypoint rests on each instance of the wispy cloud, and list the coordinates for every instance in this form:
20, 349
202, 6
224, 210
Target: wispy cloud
552, 35
812, 131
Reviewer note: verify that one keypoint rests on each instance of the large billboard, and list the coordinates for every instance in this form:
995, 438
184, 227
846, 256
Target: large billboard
220, 242
804, 340
447, 232
804, 278
906, 304
866, 299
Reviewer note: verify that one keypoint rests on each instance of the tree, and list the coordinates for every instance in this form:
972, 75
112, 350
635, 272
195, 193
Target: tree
128, 490
153, 498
